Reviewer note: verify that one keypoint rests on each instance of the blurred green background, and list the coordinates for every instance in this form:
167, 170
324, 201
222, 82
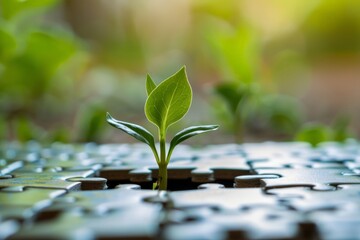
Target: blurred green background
263, 70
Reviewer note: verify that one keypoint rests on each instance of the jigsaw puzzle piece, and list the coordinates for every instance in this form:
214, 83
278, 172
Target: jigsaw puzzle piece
64, 165
222, 198
102, 201
8, 228
260, 223
256, 222
68, 157
307, 200
215, 151
205, 170
354, 165
290, 162
130, 221
193, 230
55, 180
317, 179
334, 152
265, 150
128, 186
287, 155
23, 203
337, 225
134, 166
14, 151
7, 167
126, 174
210, 186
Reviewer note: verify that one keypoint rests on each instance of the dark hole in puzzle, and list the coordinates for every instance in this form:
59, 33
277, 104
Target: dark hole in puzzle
173, 185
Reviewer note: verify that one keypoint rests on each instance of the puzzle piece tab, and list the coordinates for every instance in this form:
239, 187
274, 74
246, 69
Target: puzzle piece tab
55, 180
222, 198
318, 179
23, 203
100, 200
307, 200
121, 220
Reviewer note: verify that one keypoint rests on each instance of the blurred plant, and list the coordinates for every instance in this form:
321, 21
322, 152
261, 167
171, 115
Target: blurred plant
274, 115
341, 130
249, 104
235, 97
315, 133
91, 124
35, 61
237, 52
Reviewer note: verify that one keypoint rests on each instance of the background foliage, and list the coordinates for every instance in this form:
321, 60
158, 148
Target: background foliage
281, 70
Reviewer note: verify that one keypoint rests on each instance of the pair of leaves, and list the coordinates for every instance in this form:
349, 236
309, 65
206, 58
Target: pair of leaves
143, 135
167, 103
232, 95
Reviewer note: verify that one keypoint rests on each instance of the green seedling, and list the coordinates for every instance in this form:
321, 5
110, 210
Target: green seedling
314, 133
235, 97
166, 104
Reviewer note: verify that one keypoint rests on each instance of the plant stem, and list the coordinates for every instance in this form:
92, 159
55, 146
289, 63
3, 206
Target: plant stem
162, 149
238, 128
162, 178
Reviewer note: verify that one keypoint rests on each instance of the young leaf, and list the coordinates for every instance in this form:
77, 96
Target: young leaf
169, 101
133, 130
150, 84
314, 133
232, 95
188, 133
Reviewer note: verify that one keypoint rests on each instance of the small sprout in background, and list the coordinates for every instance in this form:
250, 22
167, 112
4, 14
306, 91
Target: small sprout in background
26, 130
60, 134
91, 124
166, 104
275, 115
341, 129
237, 52
235, 96
315, 133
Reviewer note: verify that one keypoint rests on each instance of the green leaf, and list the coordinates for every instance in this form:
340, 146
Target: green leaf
133, 130
169, 101
46, 52
188, 133
232, 95
314, 134
150, 84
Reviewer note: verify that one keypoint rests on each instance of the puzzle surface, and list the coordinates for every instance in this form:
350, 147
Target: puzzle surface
251, 191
